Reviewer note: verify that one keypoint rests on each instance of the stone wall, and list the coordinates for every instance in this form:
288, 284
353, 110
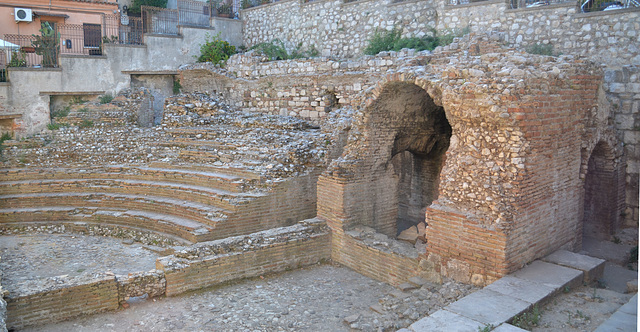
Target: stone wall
333, 27
342, 29
623, 91
608, 37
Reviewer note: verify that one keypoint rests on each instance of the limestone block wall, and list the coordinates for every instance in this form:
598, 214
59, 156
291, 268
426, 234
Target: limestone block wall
342, 29
608, 37
334, 27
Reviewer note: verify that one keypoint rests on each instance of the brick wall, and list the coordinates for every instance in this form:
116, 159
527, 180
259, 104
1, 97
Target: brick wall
36, 306
183, 276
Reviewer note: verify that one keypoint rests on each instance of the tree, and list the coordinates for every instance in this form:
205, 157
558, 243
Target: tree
135, 6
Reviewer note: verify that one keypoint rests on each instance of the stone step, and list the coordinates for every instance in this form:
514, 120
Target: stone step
233, 171
593, 268
510, 296
223, 199
181, 209
212, 179
183, 228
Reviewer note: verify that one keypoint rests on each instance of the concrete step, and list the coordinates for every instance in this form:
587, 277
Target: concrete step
593, 268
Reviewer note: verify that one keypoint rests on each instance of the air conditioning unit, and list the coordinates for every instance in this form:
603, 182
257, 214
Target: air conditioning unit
23, 14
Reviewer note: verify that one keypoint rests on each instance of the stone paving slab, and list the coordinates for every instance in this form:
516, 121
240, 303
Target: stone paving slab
551, 275
619, 321
592, 267
444, 320
524, 290
489, 307
508, 328
631, 307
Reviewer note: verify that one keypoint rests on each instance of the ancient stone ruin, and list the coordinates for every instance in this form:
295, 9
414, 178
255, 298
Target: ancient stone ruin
489, 156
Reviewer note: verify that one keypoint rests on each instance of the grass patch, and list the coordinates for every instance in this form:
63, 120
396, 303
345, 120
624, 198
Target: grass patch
4, 137
392, 40
83, 110
86, 124
106, 98
77, 100
275, 50
61, 113
176, 86
541, 49
527, 320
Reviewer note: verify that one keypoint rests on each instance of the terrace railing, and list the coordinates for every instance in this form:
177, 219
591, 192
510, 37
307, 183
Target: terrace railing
80, 39
3, 65
194, 13
125, 30
160, 20
28, 54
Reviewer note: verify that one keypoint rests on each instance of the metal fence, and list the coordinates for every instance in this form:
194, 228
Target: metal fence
126, 30
194, 13
29, 54
160, 20
3, 65
607, 5
81, 39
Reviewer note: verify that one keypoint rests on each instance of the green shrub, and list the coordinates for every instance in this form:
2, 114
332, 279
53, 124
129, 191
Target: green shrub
61, 113
216, 50
134, 9
4, 137
77, 100
176, 86
541, 50
53, 126
392, 40
106, 98
275, 50
86, 124
18, 59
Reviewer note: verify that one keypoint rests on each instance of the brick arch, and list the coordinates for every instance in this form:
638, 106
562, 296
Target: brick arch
603, 198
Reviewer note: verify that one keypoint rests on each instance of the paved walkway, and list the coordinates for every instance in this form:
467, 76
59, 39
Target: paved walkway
518, 292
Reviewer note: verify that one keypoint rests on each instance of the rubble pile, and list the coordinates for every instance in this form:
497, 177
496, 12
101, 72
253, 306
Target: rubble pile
197, 129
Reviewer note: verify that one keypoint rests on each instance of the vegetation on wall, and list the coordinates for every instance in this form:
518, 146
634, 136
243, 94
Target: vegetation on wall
541, 49
18, 59
134, 9
47, 45
216, 50
392, 40
275, 50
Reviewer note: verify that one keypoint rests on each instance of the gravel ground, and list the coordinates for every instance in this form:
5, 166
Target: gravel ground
317, 298
25, 257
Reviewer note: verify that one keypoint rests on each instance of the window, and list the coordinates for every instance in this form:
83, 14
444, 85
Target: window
92, 35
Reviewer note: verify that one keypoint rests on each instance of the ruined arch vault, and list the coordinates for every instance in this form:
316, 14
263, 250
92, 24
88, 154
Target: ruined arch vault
497, 179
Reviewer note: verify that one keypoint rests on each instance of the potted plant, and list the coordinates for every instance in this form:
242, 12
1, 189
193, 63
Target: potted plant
224, 10
46, 45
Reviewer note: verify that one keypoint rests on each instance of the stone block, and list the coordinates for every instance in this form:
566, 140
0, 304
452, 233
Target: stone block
508, 328
593, 268
410, 235
551, 275
524, 290
444, 320
489, 307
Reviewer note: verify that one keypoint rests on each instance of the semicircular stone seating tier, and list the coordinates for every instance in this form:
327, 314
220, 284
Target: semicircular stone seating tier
187, 205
